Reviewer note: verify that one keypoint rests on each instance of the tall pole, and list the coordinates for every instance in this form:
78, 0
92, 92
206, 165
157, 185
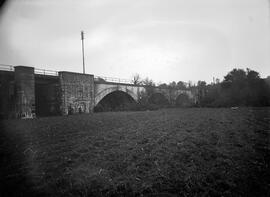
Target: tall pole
82, 37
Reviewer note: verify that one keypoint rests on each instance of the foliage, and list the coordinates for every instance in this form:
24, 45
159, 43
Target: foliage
163, 85
148, 82
136, 79
239, 88
181, 85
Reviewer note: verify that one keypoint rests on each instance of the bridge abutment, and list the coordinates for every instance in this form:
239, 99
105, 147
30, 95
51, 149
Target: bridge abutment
24, 92
77, 93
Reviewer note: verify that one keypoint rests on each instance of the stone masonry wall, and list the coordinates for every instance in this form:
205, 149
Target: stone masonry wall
77, 92
7, 96
25, 92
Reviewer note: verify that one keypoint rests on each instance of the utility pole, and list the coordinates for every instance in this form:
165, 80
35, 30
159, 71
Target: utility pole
82, 37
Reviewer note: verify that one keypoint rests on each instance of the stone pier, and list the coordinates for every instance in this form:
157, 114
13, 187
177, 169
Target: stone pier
77, 93
24, 92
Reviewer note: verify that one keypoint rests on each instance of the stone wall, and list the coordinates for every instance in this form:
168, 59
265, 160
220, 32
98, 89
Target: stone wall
24, 92
7, 94
77, 92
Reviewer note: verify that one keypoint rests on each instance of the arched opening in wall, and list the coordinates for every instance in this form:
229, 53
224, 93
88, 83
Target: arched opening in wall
115, 101
158, 99
183, 101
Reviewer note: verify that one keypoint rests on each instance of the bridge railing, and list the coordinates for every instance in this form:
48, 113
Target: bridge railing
112, 79
6, 67
46, 72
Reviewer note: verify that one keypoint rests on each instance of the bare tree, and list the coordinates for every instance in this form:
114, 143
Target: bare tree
136, 79
148, 82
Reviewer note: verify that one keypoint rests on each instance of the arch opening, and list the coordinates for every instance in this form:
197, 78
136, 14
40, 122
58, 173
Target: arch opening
183, 101
158, 99
115, 101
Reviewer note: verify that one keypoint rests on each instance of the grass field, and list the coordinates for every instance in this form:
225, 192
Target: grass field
169, 152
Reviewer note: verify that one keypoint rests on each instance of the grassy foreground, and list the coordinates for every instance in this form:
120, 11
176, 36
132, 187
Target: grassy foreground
170, 152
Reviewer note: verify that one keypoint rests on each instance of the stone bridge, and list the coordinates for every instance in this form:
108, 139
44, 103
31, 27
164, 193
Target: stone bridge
26, 92
102, 89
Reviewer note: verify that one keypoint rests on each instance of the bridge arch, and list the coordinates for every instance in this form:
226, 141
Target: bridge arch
183, 100
184, 92
159, 98
99, 96
115, 101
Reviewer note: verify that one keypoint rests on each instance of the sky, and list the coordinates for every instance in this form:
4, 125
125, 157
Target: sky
165, 40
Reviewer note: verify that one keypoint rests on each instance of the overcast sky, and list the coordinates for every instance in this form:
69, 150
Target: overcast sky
166, 40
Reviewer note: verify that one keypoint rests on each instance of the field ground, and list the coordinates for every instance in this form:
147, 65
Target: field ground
169, 152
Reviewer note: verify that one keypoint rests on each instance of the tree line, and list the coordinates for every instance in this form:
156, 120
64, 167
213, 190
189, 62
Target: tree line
137, 80
238, 88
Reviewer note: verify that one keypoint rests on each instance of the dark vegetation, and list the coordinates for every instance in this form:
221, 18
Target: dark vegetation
239, 88
169, 152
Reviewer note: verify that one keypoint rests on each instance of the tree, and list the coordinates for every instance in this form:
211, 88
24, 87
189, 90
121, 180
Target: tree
148, 82
252, 75
172, 84
239, 88
136, 79
267, 81
163, 85
245, 88
190, 84
235, 76
149, 87
235, 87
201, 85
181, 85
